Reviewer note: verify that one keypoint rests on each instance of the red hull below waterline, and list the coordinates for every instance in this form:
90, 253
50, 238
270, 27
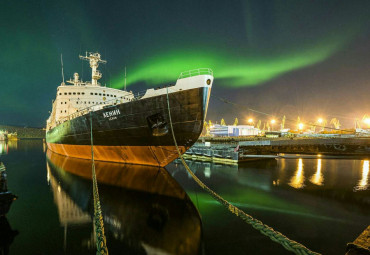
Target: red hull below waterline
142, 155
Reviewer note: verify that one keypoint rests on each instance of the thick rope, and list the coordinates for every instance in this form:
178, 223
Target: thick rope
275, 236
101, 242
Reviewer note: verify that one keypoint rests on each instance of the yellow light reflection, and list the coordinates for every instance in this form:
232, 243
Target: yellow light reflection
297, 181
318, 177
363, 183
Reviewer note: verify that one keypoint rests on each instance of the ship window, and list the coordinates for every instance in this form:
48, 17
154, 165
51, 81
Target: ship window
60, 94
61, 111
74, 93
83, 93
115, 96
96, 94
78, 93
103, 94
65, 110
61, 102
69, 93
91, 93
65, 93
77, 102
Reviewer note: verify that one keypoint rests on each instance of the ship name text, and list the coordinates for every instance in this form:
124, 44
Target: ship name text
111, 113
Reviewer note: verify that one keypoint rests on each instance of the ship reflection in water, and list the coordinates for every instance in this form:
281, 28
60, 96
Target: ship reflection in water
145, 210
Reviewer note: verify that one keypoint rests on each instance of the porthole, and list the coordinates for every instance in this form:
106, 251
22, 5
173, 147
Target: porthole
69, 93
208, 81
99, 94
78, 93
74, 93
83, 93
65, 93
91, 93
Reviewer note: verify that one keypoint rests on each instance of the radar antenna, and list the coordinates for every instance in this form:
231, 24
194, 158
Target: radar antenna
61, 59
95, 60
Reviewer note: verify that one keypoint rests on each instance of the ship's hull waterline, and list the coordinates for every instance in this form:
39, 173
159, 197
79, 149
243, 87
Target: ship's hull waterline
136, 132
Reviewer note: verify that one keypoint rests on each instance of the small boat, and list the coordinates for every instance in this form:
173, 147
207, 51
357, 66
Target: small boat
6, 197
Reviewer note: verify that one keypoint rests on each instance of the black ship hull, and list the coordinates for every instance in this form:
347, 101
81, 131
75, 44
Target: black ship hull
136, 132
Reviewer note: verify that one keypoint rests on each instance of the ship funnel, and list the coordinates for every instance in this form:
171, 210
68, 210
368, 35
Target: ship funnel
75, 78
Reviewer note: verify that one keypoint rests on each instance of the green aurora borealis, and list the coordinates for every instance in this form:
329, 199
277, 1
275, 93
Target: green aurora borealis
240, 70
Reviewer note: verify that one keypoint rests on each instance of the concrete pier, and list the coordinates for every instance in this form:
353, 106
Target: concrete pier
232, 151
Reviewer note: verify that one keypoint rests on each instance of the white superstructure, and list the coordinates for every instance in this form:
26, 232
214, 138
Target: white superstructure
79, 96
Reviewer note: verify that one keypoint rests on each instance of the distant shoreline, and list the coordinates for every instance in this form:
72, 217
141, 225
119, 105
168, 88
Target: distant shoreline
25, 132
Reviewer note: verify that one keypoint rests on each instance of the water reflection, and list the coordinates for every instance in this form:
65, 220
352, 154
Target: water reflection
5, 146
297, 181
363, 183
318, 177
144, 209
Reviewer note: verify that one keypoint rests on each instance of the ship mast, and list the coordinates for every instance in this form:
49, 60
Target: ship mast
95, 60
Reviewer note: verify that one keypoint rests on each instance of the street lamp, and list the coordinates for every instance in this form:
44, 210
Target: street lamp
272, 124
367, 121
250, 121
320, 120
300, 126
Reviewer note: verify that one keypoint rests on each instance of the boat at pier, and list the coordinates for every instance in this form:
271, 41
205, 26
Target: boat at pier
6, 197
125, 127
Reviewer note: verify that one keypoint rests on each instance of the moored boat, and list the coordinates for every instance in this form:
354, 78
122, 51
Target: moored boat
125, 127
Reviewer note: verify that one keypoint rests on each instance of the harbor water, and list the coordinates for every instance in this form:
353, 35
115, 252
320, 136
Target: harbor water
321, 203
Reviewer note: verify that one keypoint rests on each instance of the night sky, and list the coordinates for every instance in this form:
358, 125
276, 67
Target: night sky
293, 58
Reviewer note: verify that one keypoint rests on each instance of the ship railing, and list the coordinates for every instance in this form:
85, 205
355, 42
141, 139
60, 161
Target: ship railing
195, 72
107, 104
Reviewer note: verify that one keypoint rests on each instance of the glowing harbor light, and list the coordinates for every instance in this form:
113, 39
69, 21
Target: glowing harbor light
300, 126
250, 120
273, 121
320, 120
367, 121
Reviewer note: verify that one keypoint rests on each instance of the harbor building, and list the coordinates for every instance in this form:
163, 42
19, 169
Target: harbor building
240, 130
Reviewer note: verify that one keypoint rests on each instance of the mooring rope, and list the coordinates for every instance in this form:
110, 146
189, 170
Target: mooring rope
101, 242
275, 236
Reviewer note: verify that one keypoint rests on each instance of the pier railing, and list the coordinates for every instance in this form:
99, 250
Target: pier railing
195, 72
